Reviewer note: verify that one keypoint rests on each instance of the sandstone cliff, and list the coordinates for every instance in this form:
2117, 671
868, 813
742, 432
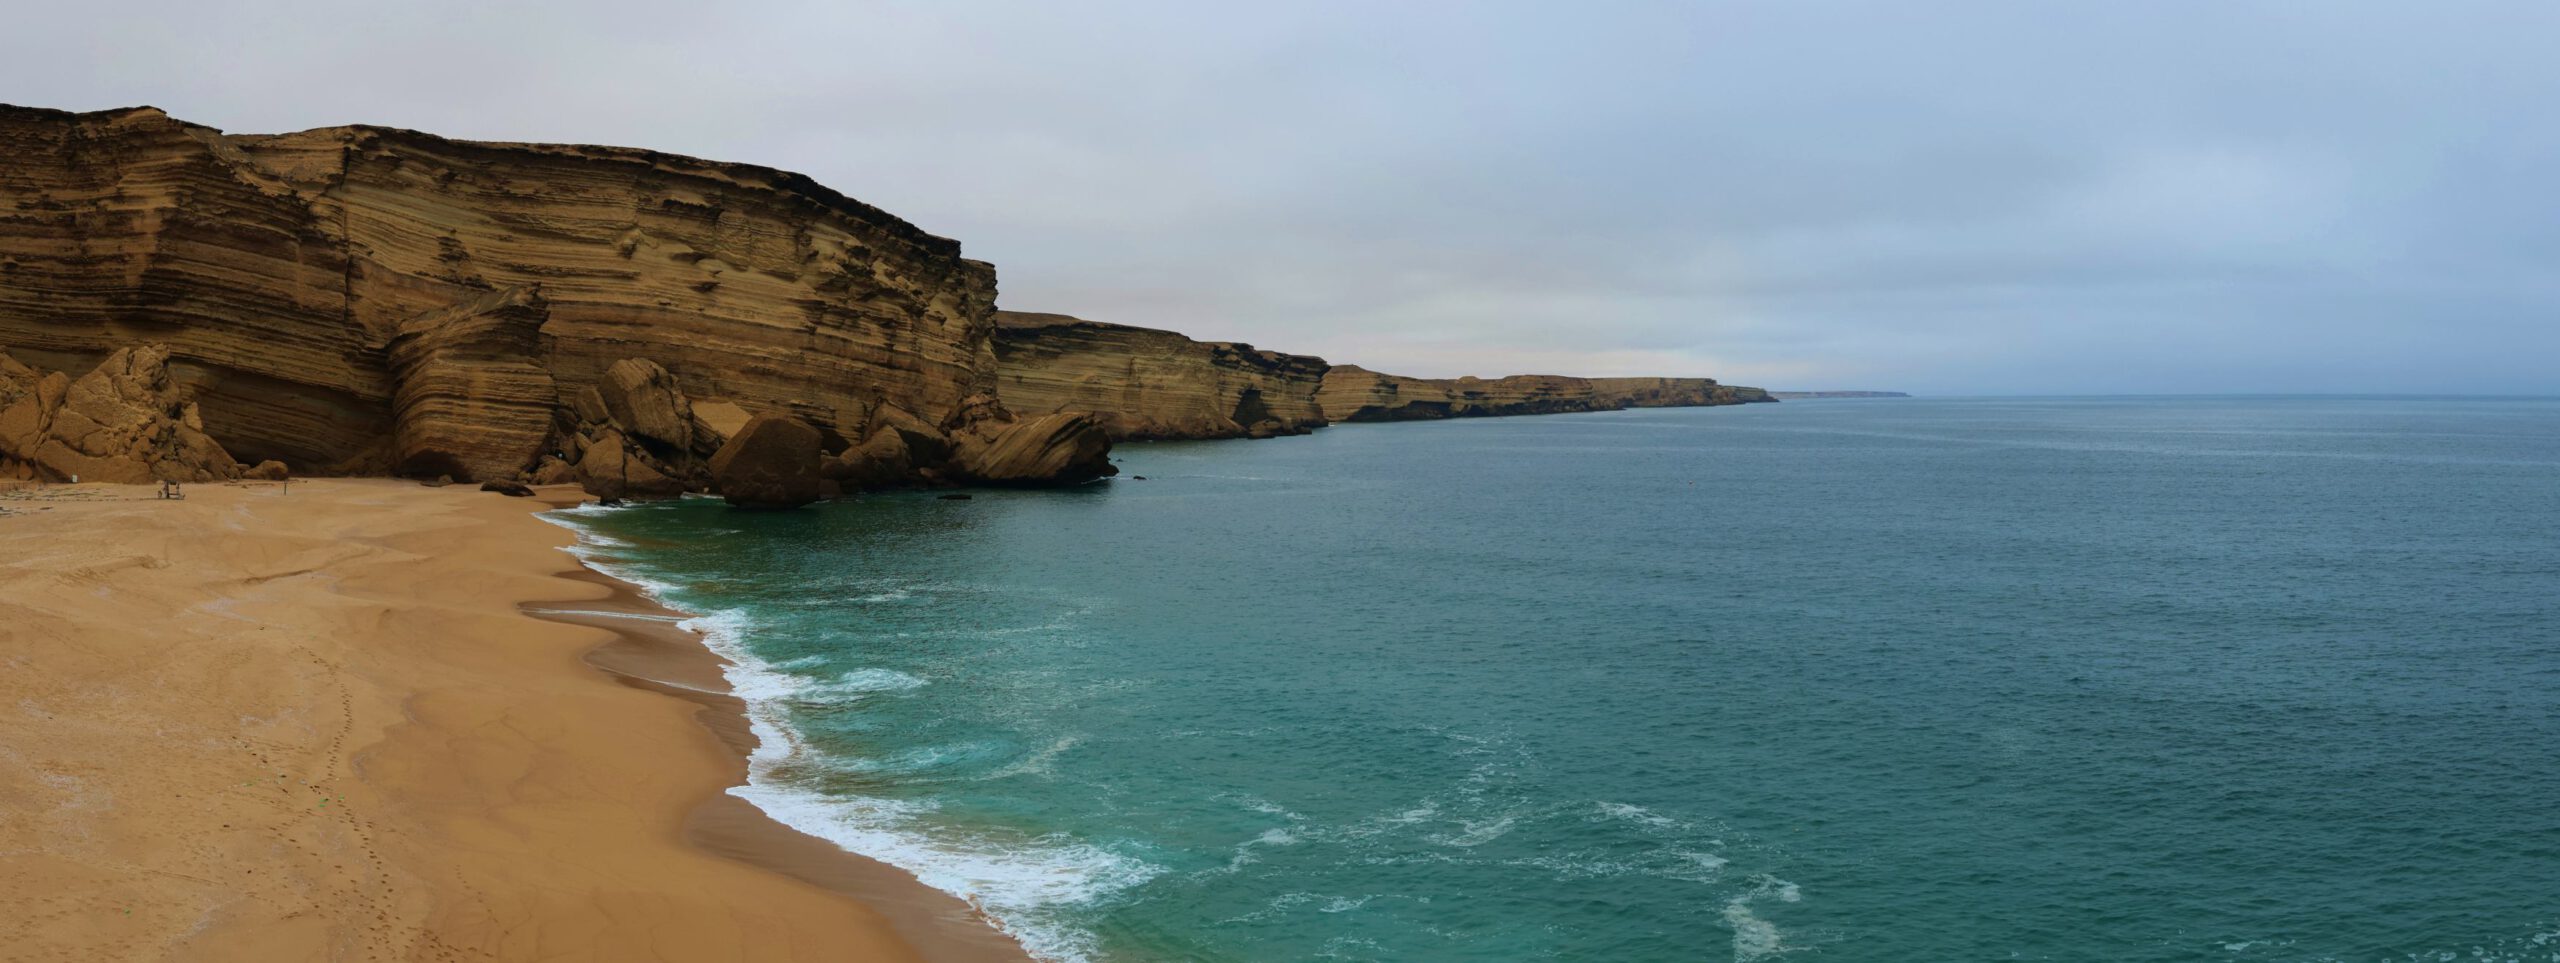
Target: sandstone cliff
1353, 393
373, 300
1672, 393
1142, 383
369, 300
125, 421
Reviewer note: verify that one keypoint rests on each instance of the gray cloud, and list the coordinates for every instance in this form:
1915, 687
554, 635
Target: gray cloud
1967, 196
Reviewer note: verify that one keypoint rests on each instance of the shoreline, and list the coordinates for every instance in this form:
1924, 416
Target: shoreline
652, 651
327, 722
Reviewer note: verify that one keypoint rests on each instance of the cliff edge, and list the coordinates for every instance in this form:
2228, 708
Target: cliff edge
1146, 384
367, 300
1353, 393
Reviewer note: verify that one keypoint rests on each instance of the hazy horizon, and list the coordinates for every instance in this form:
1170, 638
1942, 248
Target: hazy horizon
1972, 198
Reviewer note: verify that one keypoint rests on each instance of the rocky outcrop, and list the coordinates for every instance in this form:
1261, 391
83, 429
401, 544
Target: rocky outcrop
1066, 447
1353, 393
471, 398
1672, 393
643, 399
880, 462
1145, 384
1142, 383
372, 300
356, 300
125, 421
772, 462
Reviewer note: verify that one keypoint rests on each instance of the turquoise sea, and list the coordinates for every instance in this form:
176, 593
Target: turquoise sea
2245, 679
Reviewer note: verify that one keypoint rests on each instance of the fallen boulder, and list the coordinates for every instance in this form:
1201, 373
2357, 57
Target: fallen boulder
1068, 448
881, 461
609, 469
926, 444
772, 462
126, 421
553, 471
644, 400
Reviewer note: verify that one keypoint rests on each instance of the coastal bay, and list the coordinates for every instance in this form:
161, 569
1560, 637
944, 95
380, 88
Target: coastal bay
2257, 680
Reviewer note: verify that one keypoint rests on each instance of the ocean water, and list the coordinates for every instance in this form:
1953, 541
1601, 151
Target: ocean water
2246, 679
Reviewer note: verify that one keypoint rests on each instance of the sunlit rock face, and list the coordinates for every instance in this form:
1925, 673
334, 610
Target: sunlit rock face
1143, 384
369, 300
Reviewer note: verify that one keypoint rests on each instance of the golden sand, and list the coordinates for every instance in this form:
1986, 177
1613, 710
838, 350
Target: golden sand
319, 724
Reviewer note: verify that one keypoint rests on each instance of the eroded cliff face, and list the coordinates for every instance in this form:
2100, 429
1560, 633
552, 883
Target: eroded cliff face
1353, 393
124, 421
1673, 392
367, 300
1142, 383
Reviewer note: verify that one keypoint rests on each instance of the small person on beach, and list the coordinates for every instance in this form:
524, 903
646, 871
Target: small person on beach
169, 489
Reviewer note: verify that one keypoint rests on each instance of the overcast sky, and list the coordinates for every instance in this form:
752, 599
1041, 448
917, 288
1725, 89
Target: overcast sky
1950, 197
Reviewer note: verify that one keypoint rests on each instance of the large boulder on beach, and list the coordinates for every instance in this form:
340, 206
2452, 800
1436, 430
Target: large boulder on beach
23, 408
553, 471
772, 462
126, 421
643, 398
609, 468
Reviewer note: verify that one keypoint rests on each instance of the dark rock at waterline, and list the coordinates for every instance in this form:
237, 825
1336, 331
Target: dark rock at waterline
772, 462
884, 460
1059, 449
507, 488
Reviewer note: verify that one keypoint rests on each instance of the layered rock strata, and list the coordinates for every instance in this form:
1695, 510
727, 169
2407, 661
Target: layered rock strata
372, 300
1672, 393
1146, 384
125, 421
1353, 393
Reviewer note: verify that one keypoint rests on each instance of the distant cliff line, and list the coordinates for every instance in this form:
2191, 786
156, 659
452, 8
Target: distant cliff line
1151, 384
179, 302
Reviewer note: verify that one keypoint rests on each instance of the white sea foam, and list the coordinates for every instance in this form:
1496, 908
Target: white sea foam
585, 508
1021, 885
1038, 762
858, 682
1755, 938
1636, 814
1475, 832
1705, 861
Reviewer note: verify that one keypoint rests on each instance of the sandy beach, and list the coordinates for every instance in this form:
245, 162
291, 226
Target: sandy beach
368, 720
